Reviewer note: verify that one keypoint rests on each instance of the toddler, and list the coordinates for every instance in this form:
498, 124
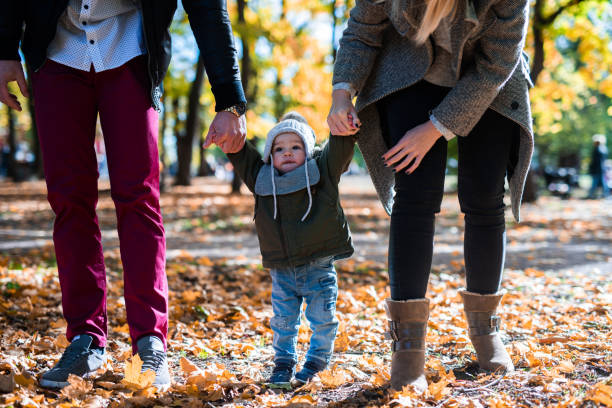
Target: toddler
302, 230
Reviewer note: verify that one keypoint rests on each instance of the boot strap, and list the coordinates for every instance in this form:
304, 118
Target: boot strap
409, 344
400, 330
482, 323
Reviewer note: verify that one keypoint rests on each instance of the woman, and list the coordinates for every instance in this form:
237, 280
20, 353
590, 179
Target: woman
424, 72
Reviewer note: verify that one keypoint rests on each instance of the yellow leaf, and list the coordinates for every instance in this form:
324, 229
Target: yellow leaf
601, 393
214, 392
566, 366
303, 399
61, 341
204, 261
439, 390
334, 376
25, 379
552, 387
187, 367
77, 387
133, 375
377, 380
341, 343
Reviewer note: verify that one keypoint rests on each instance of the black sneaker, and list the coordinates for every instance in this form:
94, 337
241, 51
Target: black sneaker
153, 356
310, 369
282, 374
79, 358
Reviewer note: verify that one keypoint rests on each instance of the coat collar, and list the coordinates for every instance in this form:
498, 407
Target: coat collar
413, 12
287, 183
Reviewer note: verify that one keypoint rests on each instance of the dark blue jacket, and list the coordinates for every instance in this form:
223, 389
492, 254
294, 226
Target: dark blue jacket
209, 22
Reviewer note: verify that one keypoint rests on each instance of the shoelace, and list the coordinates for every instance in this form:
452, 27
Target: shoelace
312, 366
152, 359
282, 367
69, 357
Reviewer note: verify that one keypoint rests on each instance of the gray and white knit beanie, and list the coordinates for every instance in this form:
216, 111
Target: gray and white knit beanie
291, 122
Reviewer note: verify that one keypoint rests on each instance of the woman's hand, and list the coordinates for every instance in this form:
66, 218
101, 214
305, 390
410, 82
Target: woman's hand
342, 119
412, 147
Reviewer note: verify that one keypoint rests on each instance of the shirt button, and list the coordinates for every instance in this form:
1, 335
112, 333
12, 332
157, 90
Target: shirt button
85, 6
84, 23
514, 105
91, 41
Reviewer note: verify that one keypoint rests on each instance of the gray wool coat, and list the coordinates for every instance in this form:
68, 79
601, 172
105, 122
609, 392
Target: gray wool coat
378, 57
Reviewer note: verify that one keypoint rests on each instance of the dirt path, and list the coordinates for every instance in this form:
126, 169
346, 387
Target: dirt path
555, 234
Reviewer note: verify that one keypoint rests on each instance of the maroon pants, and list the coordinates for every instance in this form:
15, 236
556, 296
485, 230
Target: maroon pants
67, 103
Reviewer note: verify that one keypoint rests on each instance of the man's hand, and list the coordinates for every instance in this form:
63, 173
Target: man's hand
227, 131
12, 71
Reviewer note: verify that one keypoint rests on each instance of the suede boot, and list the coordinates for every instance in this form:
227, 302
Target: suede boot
484, 331
407, 328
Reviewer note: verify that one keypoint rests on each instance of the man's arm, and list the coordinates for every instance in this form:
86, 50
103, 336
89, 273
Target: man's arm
11, 27
211, 27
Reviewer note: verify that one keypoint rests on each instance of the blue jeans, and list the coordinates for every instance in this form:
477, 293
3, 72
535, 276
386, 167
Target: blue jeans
315, 282
598, 180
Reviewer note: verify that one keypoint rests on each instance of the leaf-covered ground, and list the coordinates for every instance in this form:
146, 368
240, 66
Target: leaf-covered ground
557, 313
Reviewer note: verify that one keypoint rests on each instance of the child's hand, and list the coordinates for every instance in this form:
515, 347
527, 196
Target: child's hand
342, 118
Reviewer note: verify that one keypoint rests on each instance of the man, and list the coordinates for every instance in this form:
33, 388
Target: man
106, 57
597, 167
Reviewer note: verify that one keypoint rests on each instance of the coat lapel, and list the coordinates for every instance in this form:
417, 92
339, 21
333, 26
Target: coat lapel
464, 24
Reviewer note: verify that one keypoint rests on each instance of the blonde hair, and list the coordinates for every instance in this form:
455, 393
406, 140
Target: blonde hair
435, 11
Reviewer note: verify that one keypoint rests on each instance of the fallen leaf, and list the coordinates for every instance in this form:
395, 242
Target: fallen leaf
77, 387
61, 341
334, 376
187, 367
134, 377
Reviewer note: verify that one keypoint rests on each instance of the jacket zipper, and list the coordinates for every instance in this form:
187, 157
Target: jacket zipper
57, 20
281, 234
155, 94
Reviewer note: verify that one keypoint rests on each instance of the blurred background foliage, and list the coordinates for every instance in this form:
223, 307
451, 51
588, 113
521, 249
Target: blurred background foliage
286, 51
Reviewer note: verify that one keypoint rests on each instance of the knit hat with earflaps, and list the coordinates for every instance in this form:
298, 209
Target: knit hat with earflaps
291, 122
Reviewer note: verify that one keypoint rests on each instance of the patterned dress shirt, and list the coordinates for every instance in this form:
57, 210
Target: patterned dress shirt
102, 33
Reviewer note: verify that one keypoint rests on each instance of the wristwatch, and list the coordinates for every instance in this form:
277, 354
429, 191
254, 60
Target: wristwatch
239, 109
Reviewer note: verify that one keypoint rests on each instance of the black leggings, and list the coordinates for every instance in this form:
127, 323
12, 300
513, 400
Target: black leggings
483, 160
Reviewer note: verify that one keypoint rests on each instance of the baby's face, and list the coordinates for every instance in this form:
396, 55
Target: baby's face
288, 152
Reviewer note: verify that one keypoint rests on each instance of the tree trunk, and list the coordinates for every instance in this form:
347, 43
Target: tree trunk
334, 26
11, 165
530, 193
540, 23
245, 74
204, 169
184, 141
537, 64
38, 163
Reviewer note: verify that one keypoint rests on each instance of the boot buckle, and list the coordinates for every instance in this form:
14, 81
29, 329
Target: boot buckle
392, 333
494, 322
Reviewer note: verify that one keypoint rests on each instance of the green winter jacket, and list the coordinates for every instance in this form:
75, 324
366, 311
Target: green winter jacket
287, 240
